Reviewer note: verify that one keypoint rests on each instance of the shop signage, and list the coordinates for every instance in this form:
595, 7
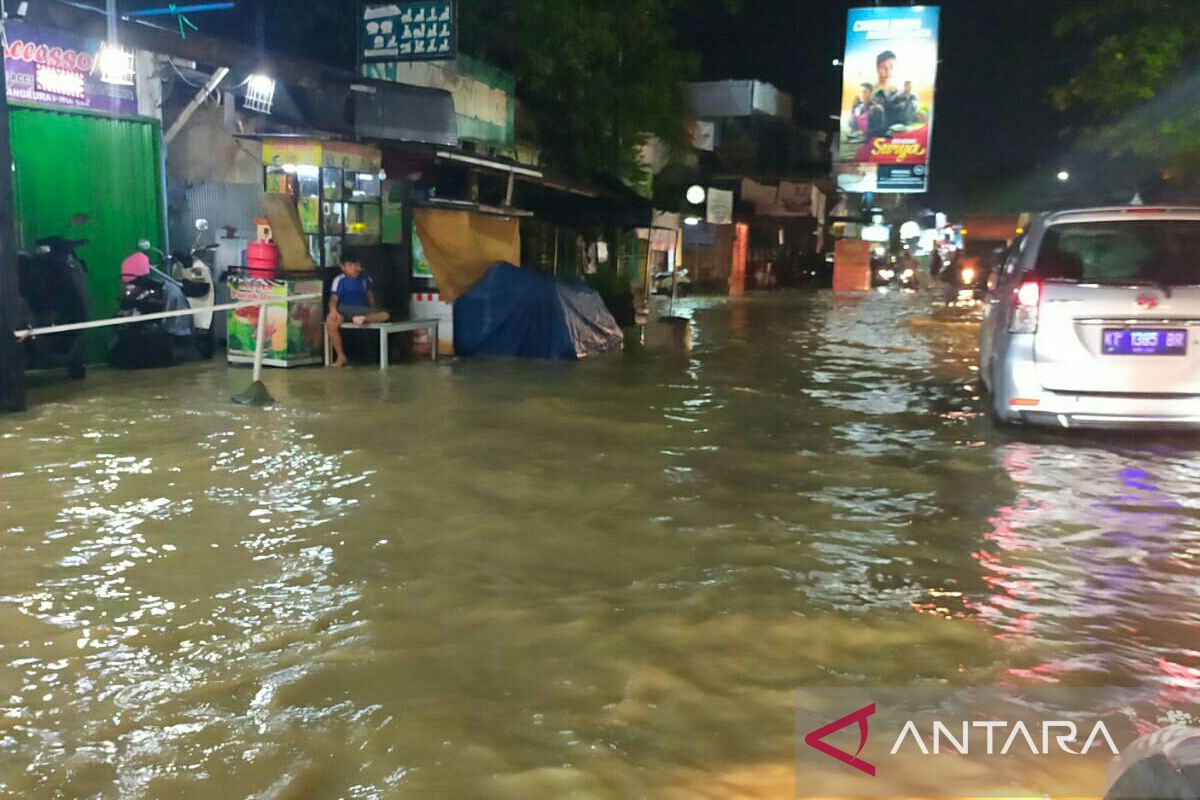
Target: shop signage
414, 31
421, 268
61, 82
51, 67
314, 153
887, 99
720, 207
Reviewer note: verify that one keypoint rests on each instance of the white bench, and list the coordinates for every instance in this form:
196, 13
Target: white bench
385, 329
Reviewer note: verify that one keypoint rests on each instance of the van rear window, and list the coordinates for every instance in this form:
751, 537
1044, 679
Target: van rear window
1157, 251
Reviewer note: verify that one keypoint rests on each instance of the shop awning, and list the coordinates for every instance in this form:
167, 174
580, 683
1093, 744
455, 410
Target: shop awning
496, 164
397, 112
575, 205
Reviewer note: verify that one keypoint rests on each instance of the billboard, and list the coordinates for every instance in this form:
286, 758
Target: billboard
889, 74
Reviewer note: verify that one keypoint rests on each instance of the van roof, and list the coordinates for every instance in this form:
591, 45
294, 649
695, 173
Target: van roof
1116, 213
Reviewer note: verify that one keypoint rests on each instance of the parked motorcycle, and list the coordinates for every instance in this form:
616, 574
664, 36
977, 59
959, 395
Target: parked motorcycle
196, 279
53, 289
148, 290
663, 281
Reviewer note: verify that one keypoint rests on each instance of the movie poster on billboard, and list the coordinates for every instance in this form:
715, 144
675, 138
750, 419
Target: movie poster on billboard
889, 75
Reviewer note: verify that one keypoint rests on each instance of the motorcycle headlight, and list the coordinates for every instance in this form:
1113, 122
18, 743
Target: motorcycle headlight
968, 275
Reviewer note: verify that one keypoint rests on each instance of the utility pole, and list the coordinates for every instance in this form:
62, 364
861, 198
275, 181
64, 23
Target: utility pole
12, 358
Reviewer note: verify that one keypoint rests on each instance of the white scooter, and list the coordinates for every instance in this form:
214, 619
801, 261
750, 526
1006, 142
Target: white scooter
200, 290
193, 275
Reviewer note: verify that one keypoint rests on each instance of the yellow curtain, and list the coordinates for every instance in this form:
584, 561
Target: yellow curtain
461, 245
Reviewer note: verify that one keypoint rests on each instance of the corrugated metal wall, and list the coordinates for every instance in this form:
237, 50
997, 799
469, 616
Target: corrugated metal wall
236, 204
110, 169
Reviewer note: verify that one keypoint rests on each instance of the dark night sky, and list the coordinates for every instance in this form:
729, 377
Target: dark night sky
993, 121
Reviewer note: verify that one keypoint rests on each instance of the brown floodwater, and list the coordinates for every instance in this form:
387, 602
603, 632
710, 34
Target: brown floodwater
507, 580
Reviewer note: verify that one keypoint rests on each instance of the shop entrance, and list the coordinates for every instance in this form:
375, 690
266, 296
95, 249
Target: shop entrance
109, 169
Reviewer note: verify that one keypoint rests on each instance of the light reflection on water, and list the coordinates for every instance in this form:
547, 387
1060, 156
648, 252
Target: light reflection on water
513, 580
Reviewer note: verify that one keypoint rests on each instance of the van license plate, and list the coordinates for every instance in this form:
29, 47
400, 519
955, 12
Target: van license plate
1145, 342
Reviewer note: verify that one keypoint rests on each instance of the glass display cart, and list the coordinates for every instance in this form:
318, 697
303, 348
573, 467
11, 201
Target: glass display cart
337, 188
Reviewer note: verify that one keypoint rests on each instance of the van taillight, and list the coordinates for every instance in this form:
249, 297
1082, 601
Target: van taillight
1025, 308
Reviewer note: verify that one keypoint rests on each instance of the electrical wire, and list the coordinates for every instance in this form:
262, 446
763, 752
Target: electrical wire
214, 95
183, 77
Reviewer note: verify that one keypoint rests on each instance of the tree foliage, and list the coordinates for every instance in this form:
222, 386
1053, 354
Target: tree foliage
1139, 91
596, 77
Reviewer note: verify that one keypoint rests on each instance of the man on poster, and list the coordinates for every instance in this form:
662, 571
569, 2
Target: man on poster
867, 118
886, 93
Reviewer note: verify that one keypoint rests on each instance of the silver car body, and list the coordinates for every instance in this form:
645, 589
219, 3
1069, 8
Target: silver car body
1116, 351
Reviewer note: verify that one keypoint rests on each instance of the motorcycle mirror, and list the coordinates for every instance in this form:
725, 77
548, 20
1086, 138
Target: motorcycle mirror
143, 244
201, 224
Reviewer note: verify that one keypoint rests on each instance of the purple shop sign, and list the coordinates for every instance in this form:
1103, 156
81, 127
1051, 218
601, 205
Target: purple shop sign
50, 67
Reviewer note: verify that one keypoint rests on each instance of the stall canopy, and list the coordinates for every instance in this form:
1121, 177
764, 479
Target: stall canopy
462, 245
520, 313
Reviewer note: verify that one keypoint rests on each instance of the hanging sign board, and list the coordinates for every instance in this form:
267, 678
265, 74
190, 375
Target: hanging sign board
720, 207
418, 31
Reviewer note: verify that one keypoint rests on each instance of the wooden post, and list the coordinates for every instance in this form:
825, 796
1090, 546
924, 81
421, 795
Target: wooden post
12, 357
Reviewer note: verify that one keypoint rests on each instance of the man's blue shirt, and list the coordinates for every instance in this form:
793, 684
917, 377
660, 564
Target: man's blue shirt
352, 291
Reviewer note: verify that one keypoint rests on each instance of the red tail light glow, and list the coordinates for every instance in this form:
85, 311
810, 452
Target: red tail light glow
1025, 308
1030, 294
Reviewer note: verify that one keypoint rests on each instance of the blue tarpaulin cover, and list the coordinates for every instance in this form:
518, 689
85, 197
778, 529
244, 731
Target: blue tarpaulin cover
518, 312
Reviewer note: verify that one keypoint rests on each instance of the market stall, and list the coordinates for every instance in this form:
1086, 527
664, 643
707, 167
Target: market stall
320, 197
336, 188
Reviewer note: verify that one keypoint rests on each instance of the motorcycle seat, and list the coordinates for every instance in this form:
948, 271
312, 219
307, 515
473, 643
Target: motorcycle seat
196, 288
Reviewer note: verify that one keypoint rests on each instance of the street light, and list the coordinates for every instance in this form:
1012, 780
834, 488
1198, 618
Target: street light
115, 64
695, 197
1064, 176
260, 93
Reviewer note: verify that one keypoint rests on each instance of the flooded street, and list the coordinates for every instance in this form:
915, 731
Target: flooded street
508, 580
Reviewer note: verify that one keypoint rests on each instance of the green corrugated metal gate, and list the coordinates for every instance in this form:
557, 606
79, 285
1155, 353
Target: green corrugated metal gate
110, 169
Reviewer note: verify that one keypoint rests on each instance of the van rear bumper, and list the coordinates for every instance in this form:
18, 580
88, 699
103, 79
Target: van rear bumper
1125, 411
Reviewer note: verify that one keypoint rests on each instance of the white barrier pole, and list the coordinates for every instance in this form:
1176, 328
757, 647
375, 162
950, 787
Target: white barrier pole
259, 335
22, 335
255, 394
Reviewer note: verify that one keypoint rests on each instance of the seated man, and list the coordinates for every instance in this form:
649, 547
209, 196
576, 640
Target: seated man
350, 297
